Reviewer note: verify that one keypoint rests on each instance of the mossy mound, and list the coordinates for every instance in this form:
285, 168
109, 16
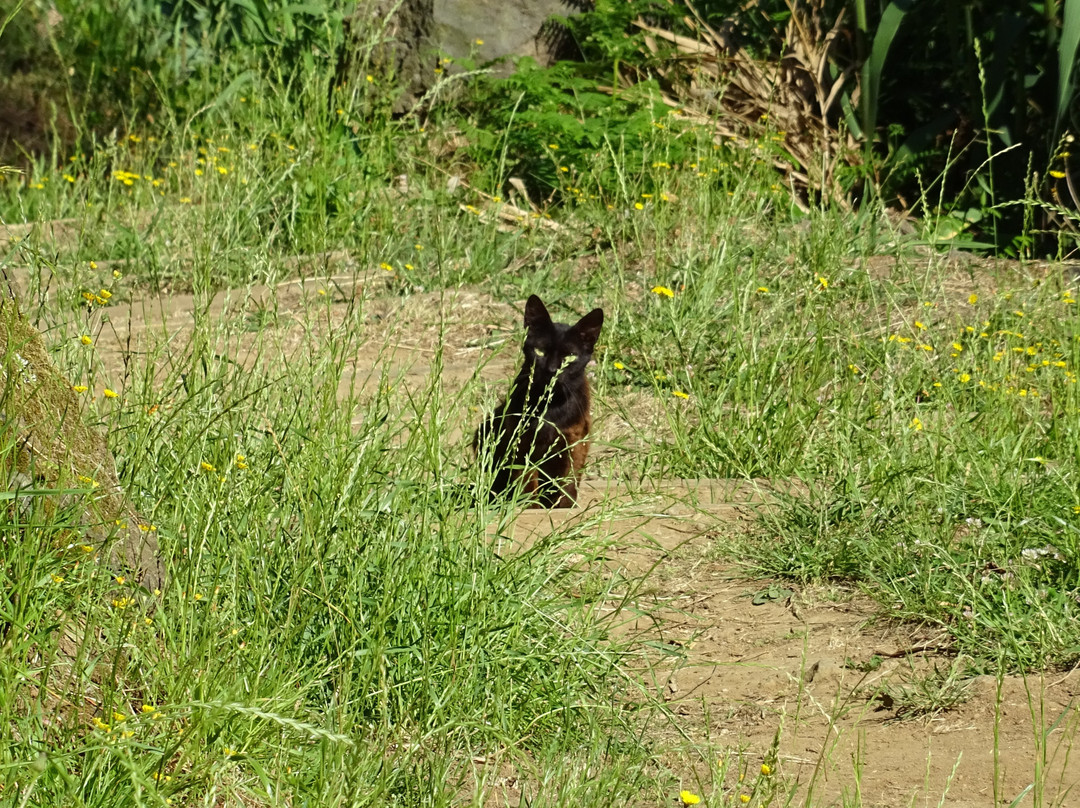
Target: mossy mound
48, 453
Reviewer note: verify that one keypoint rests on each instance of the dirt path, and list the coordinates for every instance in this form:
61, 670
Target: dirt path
739, 670
742, 672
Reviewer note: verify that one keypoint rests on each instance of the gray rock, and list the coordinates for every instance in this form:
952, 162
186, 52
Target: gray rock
404, 39
505, 27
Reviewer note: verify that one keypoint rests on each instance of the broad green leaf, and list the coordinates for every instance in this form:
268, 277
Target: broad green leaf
891, 17
1070, 38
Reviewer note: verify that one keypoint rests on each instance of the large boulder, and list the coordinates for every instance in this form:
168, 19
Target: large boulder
489, 29
406, 39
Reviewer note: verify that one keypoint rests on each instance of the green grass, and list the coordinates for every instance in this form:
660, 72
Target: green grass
343, 627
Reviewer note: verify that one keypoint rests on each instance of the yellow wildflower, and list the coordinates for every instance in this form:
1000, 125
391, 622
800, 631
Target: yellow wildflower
689, 798
662, 290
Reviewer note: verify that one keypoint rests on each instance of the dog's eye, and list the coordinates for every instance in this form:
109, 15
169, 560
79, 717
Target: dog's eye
538, 352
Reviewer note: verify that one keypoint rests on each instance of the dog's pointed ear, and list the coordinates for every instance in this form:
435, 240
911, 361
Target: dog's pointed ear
588, 327
536, 313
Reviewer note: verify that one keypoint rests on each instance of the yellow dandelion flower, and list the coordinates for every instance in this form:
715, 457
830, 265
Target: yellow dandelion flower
553, 146
618, 365
1057, 175
478, 41
766, 769
823, 282
222, 170
662, 290
965, 377
120, 579
957, 346
744, 798
198, 172
915, 424
763, 289
920, 326
97, 722
93, 265
680, 394
973, 299
57, 579
121, 603
689, 798
185, 200
638, 206
109, 393
86, 548
386, 266
206, 466
85, 340
147, 708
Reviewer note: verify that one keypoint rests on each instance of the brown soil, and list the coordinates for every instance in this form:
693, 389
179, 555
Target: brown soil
736, 673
